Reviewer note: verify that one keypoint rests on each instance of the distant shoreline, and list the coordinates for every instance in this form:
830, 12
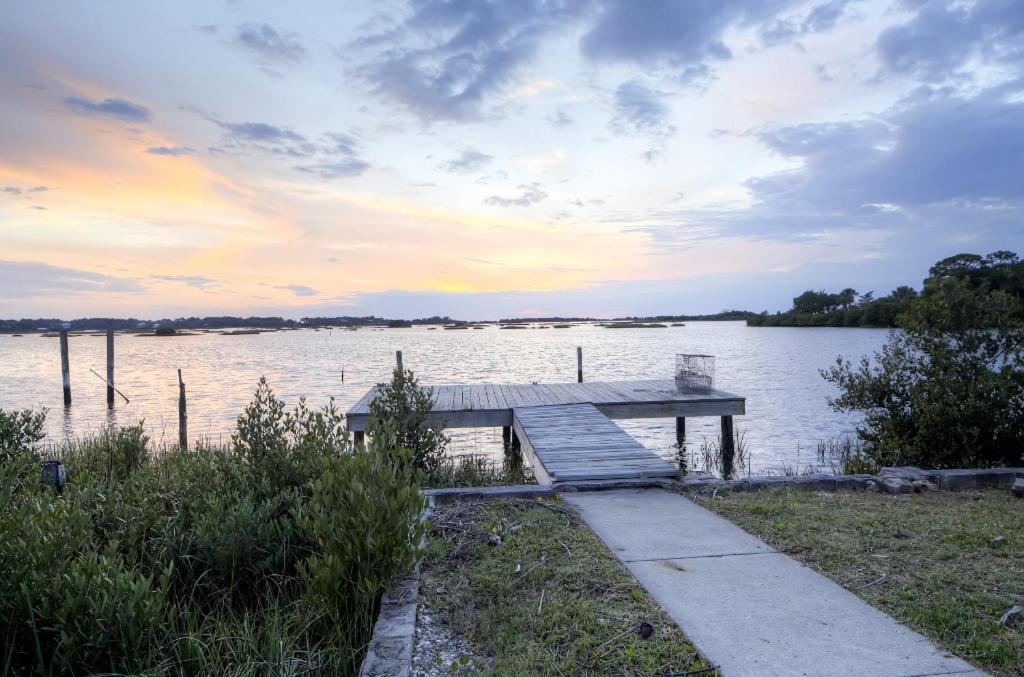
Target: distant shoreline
223, 323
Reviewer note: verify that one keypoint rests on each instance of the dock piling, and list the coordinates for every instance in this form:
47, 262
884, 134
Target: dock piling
110, 367
728, 447
398, 359
579, 364
680, 430
65, 367
182, 415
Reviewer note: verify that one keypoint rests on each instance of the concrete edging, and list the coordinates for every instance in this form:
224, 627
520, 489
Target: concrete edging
903, 480
389, 653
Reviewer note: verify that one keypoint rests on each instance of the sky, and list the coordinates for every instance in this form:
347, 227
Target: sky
498, 158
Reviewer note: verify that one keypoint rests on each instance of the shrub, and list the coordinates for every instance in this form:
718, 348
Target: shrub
404, 406
263, 557
20, 431
363, 516
947, 391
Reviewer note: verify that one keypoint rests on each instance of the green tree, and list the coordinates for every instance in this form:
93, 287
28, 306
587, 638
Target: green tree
948, 390
405, 407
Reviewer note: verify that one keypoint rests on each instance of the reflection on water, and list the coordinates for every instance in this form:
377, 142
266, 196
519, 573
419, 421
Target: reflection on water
776, 369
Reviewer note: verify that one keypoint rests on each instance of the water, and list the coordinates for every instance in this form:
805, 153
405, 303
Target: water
776, 369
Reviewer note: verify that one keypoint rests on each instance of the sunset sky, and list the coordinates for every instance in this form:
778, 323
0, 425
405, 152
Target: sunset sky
493, 159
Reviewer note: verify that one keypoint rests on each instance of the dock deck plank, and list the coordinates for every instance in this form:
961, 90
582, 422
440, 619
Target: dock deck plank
576, 442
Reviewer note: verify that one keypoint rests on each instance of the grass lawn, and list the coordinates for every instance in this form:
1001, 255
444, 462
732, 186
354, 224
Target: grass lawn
932, 561
534, 592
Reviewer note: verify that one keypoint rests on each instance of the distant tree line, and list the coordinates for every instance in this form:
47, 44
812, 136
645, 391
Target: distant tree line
723, 315
999, 271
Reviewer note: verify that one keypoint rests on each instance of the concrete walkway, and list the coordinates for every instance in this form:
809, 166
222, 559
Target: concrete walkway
747, 608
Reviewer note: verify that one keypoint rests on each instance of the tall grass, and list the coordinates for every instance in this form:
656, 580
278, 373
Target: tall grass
263, 556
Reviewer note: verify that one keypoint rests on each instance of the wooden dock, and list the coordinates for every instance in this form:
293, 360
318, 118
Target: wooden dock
576, 442
490, 405
564, 428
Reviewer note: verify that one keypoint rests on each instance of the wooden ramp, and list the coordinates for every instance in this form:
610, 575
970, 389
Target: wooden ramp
576, 442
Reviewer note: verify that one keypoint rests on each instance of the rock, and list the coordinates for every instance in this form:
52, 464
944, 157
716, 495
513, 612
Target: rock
997, 541
853, 481
1011, 617
645, 630
871, 486
895, 485
1018, 487
921, 486
495, 539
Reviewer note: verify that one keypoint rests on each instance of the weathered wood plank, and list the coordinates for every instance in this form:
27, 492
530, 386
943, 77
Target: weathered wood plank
576, 441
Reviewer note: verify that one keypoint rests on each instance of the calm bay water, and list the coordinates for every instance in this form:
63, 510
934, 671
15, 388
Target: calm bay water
776, 369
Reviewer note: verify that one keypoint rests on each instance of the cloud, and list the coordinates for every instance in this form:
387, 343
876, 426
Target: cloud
639, 108
560, 120
172, 151
654, 32
943, 35
469, 161
331, 156
24, 280
267, 43
443, 60
298, 289
937, 166
335, 170
119, 109
344, 144
821, 18
195, 281
15, 190
260, 132
532, 193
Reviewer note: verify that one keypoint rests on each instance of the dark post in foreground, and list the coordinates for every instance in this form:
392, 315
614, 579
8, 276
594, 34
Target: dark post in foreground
182, 415
506, 438
579, 364
398, 361
513, 448
65, 367
110, 367
728, 446
681, 430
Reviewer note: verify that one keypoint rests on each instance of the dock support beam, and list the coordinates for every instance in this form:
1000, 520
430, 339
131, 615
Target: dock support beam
65, 367
579, 364
398, 361
680, 430
728, 447
506, 438
110, 367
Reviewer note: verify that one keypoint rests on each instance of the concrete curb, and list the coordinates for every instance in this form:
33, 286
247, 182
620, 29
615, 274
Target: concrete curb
904, 480
389, 653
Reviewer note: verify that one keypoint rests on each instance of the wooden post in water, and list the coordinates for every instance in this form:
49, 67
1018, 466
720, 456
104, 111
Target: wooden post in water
110, 367
680, 430
579, 364
182, 415
506, 438
728, 447
398, 359
65, 367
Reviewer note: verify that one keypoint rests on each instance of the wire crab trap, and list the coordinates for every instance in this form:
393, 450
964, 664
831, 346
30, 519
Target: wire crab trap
695, 373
